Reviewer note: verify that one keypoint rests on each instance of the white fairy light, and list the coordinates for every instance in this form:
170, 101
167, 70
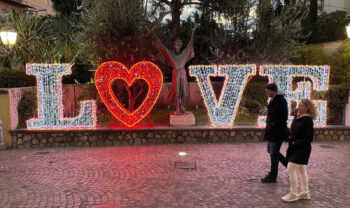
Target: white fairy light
182, 153
50, 105
283, 76
222, 113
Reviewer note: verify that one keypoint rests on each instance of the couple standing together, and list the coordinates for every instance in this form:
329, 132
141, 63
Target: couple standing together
299, 139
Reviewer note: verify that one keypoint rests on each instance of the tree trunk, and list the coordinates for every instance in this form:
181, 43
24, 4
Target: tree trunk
146, 7
313, 11
128, 90
175, 15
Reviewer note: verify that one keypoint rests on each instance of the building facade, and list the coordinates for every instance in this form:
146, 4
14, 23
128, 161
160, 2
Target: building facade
6, 5
41, 7
37, 7
334, 5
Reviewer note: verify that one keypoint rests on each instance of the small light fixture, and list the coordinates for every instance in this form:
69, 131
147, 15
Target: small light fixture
182, 153
8, 38
348, 30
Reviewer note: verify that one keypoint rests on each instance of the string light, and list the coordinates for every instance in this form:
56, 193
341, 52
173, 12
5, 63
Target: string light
108, 72
283, 77
222, 113
49, 98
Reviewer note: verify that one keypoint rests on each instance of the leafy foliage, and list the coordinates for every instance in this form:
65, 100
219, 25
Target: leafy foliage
115, 30
26, 108
63, 34
340, 63
66, 7
10, 78
309, 55
338, 92
43, 39
32, 43
329, 27
278, 29
50, 39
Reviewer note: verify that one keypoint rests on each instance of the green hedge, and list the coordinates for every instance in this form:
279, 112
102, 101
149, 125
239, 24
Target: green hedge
338, 93
11, 78
27, 108
254, 97
329, 27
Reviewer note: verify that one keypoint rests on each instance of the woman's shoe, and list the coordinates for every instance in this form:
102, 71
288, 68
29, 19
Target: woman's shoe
290, 197
304, 195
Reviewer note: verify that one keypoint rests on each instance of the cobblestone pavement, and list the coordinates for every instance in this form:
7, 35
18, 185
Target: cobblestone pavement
226, 175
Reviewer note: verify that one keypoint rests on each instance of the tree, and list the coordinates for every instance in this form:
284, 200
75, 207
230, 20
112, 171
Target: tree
33, 39
313, 11
118, 31
44, 39
278, 30
64, 33
209, 36
329, 27
241, 38
176, 7
115, 30
67, 7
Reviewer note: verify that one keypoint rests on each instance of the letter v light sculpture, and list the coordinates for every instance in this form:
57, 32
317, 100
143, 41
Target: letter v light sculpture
222, 113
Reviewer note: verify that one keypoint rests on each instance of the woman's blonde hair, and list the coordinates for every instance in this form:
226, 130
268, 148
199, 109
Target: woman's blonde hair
310, 108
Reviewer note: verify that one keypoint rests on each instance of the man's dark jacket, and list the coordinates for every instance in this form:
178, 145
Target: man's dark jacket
276, 122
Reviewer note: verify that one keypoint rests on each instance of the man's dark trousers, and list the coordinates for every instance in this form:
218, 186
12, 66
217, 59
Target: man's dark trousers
274, 149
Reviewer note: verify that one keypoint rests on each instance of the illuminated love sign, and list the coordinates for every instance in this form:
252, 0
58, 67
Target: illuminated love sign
108, 72
221, 112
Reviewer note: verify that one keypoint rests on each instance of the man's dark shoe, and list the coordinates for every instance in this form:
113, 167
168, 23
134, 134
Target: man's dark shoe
268, 179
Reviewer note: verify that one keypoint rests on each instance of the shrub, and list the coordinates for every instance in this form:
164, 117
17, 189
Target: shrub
10, 78
309, 55
26, 108
337, 96
329, 27
81, 73
340, 65
254, 97
338, 92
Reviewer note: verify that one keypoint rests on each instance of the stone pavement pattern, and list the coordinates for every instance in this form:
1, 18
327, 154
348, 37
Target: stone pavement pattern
227, 175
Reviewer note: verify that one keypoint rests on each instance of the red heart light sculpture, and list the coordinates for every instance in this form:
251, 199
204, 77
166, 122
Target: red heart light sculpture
108, 72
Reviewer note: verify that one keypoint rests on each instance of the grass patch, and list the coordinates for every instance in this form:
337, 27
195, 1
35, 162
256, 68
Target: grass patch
160, 117
246, 119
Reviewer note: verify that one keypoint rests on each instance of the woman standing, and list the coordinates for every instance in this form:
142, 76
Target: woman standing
299, 150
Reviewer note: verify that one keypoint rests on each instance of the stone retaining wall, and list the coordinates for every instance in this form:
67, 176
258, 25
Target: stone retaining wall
164, 135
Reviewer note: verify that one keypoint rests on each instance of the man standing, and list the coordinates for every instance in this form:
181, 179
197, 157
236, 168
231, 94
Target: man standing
276, 130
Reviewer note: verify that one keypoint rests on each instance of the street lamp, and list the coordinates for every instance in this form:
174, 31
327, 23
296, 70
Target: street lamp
8, 38
348, 30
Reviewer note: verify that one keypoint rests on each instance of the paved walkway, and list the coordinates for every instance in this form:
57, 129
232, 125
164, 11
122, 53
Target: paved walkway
227, 175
